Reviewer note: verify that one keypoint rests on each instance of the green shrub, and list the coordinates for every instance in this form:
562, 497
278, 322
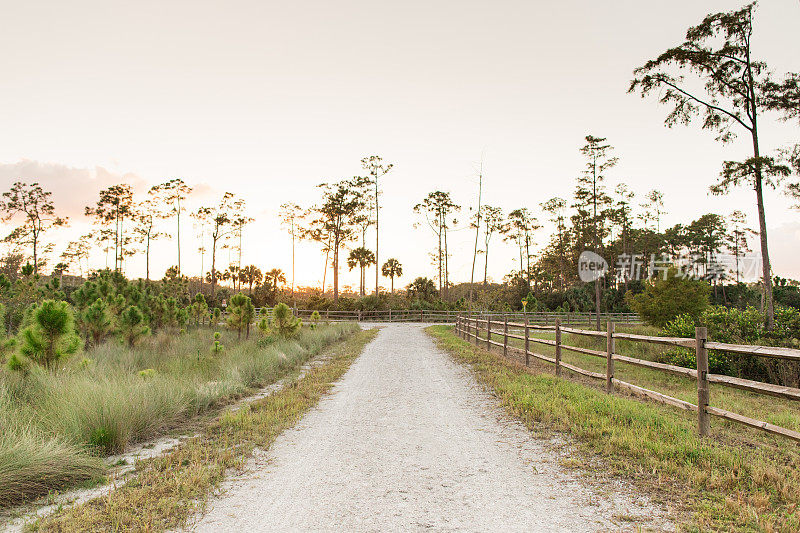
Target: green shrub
740, 326
284, 323
199, 309
16, 363
264, 326
51, 334
241, 313
665, 299
147, 373
131, 325
97, 321
217, 347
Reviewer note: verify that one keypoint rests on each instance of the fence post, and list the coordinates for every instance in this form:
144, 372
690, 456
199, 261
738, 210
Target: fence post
703, 393
558, 347
505, 336
610, 356
527, 357
489, 332
390, 314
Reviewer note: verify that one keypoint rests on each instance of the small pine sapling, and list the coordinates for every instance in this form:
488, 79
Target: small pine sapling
132, 326
241, 313
217, 347
97, 320
314, 319
284, 323
51, 335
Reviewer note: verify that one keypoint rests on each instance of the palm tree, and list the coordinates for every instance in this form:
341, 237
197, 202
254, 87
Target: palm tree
362, 258
251, 275
273, 279
392, 269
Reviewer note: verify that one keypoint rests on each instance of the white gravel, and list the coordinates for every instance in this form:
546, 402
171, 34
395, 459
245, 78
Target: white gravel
407, 440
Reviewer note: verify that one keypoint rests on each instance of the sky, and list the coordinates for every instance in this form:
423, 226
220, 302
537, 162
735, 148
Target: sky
268, 99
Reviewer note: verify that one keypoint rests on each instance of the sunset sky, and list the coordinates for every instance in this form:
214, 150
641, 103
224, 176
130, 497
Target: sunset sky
268, 99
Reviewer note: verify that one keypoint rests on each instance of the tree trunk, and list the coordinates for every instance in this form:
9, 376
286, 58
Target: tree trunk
147, 259
440, 255
597, 302
292, 294
336, 269
35, 254
477, 235
446, 264
377, 209
213, 266
769, 304
486, 264
179, 234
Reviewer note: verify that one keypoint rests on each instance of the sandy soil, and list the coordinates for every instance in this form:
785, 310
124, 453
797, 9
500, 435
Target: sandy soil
407, 440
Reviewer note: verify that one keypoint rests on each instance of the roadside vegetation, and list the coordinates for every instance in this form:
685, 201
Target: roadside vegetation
734, 480
168, 491
59, 420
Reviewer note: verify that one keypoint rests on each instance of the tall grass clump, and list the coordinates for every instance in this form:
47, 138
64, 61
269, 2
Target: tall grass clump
32, 463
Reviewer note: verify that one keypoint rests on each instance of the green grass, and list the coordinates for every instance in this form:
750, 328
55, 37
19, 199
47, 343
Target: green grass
56, 425
167, 491
738, 479
777, 411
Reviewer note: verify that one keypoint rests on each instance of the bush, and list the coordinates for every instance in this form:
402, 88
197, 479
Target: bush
217, 347
131, 325
241, 313
199, 309
51, 334
97, 322
740, 326
665, 299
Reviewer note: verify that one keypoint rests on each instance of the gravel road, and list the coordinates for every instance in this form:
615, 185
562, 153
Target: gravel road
407, 440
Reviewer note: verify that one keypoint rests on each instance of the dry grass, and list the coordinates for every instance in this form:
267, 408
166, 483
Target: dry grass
167, 491
736, 480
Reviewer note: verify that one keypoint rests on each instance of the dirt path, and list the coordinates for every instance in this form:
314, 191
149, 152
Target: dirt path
408, 440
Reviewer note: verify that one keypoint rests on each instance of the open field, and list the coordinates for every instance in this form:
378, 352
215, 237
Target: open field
736, 479
58, 425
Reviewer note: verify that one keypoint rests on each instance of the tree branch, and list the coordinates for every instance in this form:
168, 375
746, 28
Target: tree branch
711, 106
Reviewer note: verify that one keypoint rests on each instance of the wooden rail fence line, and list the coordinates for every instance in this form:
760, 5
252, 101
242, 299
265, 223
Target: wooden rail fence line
471, 327
434, 316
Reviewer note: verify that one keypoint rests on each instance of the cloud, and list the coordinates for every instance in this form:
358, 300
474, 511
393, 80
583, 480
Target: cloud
73, 188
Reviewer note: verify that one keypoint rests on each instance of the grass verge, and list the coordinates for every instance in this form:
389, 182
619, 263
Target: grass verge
721, 483
777, 411
168, 490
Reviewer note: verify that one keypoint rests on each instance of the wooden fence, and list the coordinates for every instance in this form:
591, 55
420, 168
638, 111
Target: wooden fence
433, 316
471, 327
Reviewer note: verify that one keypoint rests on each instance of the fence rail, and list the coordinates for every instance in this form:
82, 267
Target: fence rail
434, 316
471, 328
